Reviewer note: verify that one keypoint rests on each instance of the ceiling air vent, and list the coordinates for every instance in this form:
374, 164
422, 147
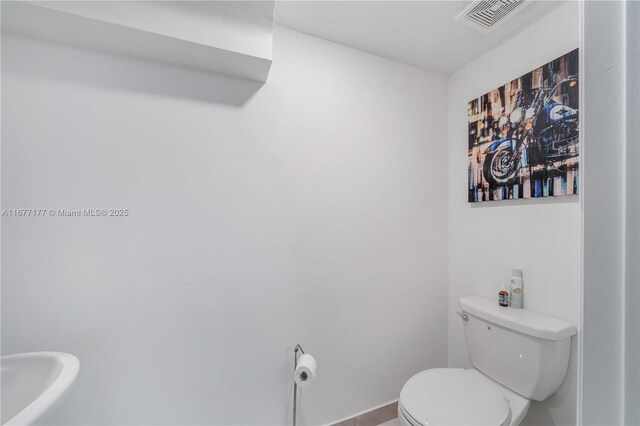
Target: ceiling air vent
486, 15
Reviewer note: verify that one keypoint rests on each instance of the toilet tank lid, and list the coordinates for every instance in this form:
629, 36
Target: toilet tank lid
521, 320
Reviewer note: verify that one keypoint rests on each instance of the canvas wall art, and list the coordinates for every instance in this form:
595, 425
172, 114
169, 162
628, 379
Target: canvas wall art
523, 136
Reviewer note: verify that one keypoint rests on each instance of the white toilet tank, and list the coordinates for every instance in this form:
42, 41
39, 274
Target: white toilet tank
524, 351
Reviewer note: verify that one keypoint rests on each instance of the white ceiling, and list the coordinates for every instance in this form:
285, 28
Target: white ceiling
419, 33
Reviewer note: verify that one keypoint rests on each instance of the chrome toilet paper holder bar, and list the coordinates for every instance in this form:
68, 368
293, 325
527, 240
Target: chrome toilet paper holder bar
297, 349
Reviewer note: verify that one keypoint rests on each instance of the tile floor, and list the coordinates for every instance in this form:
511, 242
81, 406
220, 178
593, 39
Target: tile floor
381, 416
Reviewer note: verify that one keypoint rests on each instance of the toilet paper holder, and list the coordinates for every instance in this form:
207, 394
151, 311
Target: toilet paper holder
297, 349
304, 374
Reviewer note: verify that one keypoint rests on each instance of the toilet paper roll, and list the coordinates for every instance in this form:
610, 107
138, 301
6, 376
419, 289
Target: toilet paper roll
305, 372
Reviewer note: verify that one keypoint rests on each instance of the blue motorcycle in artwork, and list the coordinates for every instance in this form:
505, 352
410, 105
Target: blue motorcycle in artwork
540, 133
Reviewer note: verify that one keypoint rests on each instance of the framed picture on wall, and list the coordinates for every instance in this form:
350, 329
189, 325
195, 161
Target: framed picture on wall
523, 136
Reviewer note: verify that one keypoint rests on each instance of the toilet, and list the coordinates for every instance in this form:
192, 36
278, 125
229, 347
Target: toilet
517, 356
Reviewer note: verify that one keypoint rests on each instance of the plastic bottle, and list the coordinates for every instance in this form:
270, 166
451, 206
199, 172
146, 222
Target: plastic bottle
516, 289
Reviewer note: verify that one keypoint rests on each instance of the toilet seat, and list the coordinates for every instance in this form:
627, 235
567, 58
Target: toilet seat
453, 396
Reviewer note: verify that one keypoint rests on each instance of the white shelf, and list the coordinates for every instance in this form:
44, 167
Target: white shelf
221, 37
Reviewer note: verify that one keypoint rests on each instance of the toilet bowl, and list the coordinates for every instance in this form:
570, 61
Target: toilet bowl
517, 356
454, 396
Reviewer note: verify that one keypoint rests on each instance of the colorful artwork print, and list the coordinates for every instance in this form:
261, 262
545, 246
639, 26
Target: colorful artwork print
523, 136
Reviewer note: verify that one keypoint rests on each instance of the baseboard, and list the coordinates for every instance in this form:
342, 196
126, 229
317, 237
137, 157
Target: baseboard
372, 417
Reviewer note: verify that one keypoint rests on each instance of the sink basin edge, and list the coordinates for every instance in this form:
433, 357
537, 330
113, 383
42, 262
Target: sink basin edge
69, 366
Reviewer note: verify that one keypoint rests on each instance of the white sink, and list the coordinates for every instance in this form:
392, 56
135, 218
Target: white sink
33, 383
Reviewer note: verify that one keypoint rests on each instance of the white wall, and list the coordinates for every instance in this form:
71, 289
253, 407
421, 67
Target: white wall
610, 206
541, 237
312, 209
632, 201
